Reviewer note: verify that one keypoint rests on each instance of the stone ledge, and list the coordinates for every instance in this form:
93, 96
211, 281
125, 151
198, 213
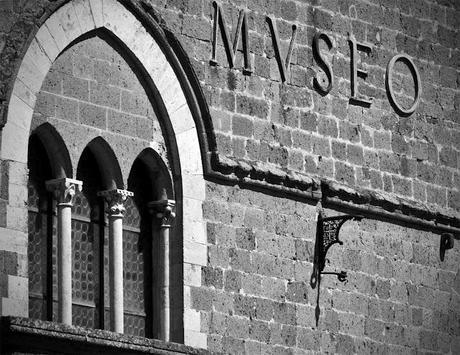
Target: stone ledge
364, 201
32, 336
264, 175
390, 206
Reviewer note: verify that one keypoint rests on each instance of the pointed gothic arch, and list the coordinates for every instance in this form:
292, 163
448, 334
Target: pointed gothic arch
147, 43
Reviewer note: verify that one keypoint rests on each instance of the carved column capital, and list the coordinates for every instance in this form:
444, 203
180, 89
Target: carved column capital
64, 190
164, 210
115, 199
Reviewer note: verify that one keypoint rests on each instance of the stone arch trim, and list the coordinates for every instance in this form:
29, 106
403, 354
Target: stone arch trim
66, 24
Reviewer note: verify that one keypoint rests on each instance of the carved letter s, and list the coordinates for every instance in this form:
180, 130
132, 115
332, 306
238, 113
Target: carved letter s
323, 63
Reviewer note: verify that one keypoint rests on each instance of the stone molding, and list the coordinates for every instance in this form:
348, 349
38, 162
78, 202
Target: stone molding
368, 202
31, 336
264, 175
379, 203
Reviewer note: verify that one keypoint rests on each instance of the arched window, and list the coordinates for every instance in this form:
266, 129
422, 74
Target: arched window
137, 257
88, 243
147, 302
168, 90
47, 159
152, 188
41, 231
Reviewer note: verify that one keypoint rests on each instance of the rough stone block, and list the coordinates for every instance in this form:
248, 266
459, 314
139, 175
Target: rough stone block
193, 275
276, 288
232, 281
251, 106
241, 260
69, 21
17, 195
242, 126
195, 339
16, 218
238, 327
260, 331
308, 121
233, 345
57, 32
16, 131
244, 305
68, 109
196, 253
100, 94
18, 288
79, 89
284, 313
14, 307
84, 15
297, 292
13, 241
47, 42
201, 298
117, 122
53, 82
22, 91
212, 277
187, 143
344, 173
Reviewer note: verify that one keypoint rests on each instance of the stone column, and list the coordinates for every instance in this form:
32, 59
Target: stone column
115, 200
64, 190
163, 210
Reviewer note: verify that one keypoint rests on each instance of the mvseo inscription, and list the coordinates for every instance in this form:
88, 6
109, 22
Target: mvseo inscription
321, 60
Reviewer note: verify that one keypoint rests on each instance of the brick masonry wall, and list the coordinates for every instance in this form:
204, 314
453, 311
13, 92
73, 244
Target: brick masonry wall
255, 296
291, 126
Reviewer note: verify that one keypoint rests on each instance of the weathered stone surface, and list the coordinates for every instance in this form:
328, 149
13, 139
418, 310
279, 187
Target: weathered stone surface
283, 145
35, 336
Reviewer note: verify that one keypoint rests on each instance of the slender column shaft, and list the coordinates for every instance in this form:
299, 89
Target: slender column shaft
164, 284
64, 190
115, 199
116, 272
64, 263
164, 211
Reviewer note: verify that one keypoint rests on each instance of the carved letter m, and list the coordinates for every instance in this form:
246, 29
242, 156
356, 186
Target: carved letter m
219, 21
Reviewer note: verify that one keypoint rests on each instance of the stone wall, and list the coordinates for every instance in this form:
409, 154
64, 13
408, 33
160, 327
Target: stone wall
257, 296
290, 125
254, 294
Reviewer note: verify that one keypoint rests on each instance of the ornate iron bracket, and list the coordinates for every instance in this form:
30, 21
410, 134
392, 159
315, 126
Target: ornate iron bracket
327, 234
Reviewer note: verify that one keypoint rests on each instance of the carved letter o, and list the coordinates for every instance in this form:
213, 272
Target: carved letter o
389, 83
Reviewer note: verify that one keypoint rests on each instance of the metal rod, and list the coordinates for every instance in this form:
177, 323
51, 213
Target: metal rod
413, 221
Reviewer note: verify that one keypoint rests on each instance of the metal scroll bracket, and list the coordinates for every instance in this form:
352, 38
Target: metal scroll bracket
327, 234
